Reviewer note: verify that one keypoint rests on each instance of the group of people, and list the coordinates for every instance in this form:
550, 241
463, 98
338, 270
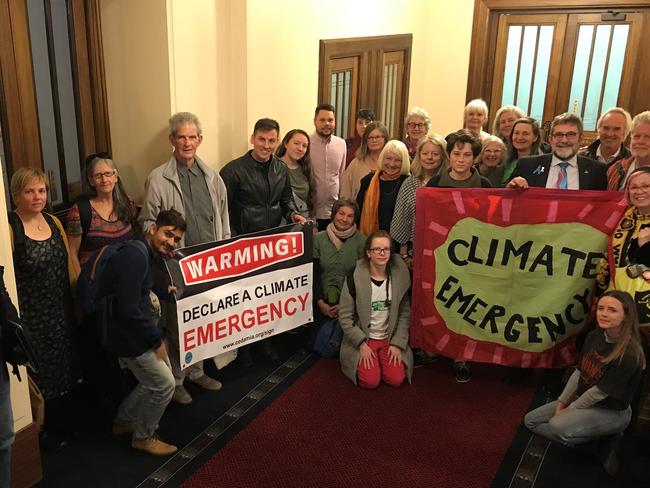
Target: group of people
361, 194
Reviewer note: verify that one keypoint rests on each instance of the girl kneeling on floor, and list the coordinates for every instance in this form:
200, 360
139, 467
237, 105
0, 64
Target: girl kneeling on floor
375, 317
596, 400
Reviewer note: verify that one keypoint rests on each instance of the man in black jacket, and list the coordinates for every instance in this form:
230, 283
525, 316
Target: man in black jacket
134, 337
259, 190
7, 311
259, 195
563, 169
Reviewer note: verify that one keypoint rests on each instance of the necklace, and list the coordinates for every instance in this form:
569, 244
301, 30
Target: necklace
39, 227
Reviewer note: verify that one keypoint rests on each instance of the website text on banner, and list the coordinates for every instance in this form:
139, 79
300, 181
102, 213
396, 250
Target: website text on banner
238, 291
505, 276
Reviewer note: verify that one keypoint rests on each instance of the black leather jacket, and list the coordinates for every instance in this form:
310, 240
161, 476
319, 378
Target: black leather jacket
259, 194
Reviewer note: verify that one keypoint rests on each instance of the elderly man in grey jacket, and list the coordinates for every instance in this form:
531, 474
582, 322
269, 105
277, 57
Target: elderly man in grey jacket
188, 185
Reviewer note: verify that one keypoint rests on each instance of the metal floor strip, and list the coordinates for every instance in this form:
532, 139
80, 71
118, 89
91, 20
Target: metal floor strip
163, 474
530, 463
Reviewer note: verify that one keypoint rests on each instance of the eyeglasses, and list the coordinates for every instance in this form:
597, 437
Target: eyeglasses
562, 135
380, 250
413, 125
106, 174
640, 189
376, 138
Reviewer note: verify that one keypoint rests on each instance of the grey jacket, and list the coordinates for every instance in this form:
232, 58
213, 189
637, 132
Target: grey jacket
163, 192
354, 316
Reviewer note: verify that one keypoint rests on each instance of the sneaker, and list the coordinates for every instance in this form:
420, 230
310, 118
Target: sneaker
121, 427
153, 445
181, 395
207, 383
462, 371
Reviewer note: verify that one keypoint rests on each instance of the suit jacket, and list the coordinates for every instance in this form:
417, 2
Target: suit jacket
592, 174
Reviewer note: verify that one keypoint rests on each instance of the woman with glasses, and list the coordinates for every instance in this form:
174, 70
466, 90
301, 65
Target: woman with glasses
373, 141
103, 216
374, 314
490, 162
417, 123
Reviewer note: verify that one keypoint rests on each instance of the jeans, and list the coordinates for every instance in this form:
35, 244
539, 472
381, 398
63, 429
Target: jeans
6, 429
576, 425
146, 404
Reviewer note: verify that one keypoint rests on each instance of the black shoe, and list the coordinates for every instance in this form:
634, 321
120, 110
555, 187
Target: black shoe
268, 351
423, 357
244, 356
462, 371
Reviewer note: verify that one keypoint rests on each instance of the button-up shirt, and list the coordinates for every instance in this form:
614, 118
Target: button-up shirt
572, 173
328, 164
198, 205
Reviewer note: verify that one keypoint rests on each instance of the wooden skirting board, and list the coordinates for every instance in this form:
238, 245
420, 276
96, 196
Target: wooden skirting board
26, 458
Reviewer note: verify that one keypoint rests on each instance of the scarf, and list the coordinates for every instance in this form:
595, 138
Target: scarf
336, 235
370, 212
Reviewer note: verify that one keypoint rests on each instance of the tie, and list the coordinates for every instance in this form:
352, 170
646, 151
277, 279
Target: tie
563, 177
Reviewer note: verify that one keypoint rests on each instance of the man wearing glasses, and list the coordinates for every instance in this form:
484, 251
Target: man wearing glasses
186, 184
563, 169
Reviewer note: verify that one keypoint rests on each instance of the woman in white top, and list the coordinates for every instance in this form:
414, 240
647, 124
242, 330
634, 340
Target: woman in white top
374, 315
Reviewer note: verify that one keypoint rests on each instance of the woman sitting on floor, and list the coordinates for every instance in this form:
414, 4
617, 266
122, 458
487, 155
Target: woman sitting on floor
336, 251
375, 317
596, 399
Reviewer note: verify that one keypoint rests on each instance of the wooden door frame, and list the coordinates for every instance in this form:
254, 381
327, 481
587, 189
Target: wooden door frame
484, 33
19, 117
370, 51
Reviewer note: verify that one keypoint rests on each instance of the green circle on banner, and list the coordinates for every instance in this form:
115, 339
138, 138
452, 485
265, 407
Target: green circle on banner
522, 286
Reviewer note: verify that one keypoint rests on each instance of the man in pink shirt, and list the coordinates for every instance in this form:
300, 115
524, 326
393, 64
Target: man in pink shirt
327, 153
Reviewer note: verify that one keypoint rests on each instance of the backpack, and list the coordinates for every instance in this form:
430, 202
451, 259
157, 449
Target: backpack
91, 273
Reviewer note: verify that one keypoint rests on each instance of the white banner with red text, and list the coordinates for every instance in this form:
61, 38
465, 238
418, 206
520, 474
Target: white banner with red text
235, 292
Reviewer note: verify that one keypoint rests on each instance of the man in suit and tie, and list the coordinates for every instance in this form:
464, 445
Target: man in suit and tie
562, 169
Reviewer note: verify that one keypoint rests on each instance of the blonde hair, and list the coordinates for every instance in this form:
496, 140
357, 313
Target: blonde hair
435, 139
399, 148
23, 176
493, 140
477, 105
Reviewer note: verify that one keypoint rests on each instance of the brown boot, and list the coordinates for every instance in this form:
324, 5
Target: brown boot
153, 445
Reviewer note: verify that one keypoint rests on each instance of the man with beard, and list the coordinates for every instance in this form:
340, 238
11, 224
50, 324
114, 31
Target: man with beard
328, 154
563, 169
133, 336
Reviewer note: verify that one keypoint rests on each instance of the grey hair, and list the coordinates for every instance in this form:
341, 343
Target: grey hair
496, 130
418, 112
184, 118
620, 111
641, 118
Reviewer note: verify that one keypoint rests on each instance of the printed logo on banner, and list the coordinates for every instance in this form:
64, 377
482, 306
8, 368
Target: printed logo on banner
241, 257
188, 357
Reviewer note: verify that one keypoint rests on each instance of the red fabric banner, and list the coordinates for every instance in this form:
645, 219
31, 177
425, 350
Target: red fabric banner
506, 276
